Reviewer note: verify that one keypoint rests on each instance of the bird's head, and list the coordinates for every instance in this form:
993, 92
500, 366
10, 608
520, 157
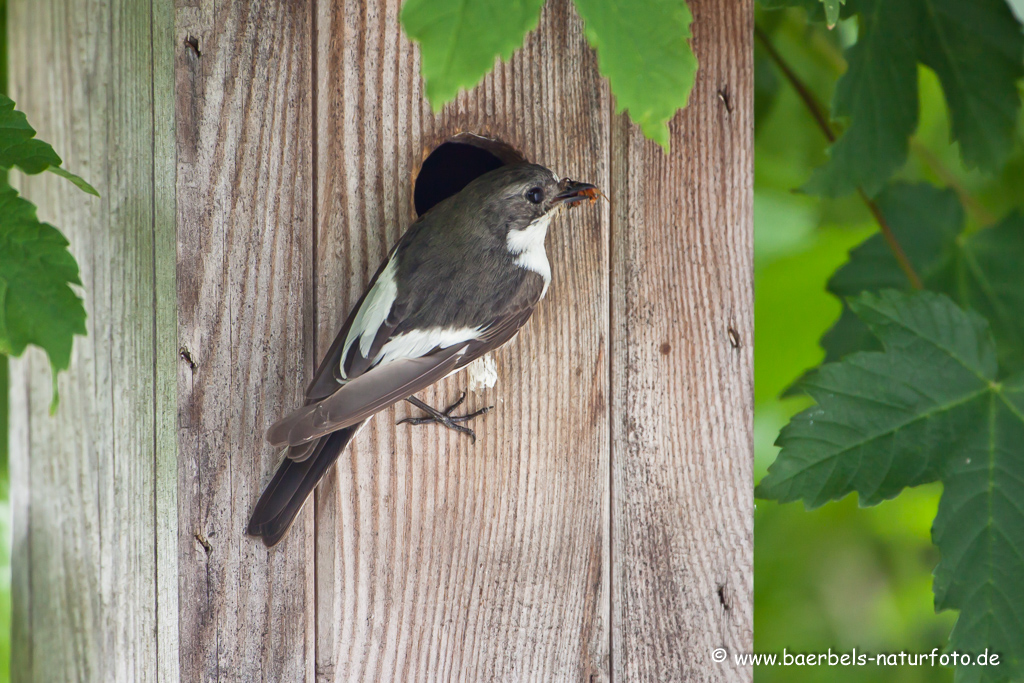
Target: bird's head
516, 196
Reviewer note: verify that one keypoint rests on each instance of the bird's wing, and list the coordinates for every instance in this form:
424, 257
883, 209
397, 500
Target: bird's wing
496, 334
420, 360
378, 359
370, 323
369, 326
363, 396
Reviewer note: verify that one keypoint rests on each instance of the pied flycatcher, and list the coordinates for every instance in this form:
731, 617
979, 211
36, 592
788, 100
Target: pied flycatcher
460, 282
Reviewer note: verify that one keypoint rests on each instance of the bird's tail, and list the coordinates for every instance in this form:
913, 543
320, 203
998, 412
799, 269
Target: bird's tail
292, 483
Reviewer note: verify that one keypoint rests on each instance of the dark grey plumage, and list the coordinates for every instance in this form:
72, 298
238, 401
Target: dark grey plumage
453, 288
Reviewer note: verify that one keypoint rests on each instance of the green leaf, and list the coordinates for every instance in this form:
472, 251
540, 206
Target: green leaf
977, 50
832, 11
927, 407
19, 147
460, 39
980, 271
874, 406
78, 181
926, 222
979, 531
878, 95
31, 156
986, 275
644, 52
37, 304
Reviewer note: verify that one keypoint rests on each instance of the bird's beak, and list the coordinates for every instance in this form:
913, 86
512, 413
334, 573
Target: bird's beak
574, 192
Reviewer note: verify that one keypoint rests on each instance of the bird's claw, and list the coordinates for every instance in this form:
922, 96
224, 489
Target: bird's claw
448, 420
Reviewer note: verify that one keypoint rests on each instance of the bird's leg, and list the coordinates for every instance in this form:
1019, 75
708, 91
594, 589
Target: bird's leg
445, 418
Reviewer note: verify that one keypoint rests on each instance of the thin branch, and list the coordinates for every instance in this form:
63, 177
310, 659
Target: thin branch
817, 113
890, 239
802, 90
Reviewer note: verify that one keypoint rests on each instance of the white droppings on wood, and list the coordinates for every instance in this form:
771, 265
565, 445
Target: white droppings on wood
482, 373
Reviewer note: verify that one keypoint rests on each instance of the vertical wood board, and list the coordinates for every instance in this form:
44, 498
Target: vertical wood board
245, 235
682, 381
86, 485
437, 558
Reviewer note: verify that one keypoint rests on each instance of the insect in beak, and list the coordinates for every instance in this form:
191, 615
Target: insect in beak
573, 193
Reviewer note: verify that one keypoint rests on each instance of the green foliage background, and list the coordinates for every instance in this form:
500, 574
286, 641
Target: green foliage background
839, 576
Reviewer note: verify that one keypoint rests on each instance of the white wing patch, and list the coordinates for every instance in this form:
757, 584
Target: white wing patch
416, 343
372, 313
527, 245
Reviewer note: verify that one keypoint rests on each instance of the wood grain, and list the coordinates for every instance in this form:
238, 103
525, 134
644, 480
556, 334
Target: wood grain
88, 482
256, 160
245, 232
682, 384
166, 347
436, 559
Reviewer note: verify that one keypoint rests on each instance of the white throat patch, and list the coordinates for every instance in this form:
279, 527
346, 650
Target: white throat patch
527, 245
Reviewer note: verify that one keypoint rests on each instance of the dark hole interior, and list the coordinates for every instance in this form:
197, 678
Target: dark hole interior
448, 169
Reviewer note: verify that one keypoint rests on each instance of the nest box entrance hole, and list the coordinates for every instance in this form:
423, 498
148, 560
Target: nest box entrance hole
457, 162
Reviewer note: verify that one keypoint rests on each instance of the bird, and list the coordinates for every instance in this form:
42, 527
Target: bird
460, 283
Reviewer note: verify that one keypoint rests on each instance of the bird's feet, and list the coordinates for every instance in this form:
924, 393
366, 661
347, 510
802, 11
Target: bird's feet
445, 417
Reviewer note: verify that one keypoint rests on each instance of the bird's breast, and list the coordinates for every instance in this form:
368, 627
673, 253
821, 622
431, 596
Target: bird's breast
527, 248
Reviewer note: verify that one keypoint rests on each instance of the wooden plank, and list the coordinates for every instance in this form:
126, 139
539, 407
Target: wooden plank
437, 559
682, 386
166, 358
84, 565
245, 231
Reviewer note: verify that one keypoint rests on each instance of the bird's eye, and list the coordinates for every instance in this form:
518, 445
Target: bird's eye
535, 195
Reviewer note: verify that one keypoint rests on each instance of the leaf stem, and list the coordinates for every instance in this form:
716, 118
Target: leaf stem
802, 90
818, 114
945, 175
890, 239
